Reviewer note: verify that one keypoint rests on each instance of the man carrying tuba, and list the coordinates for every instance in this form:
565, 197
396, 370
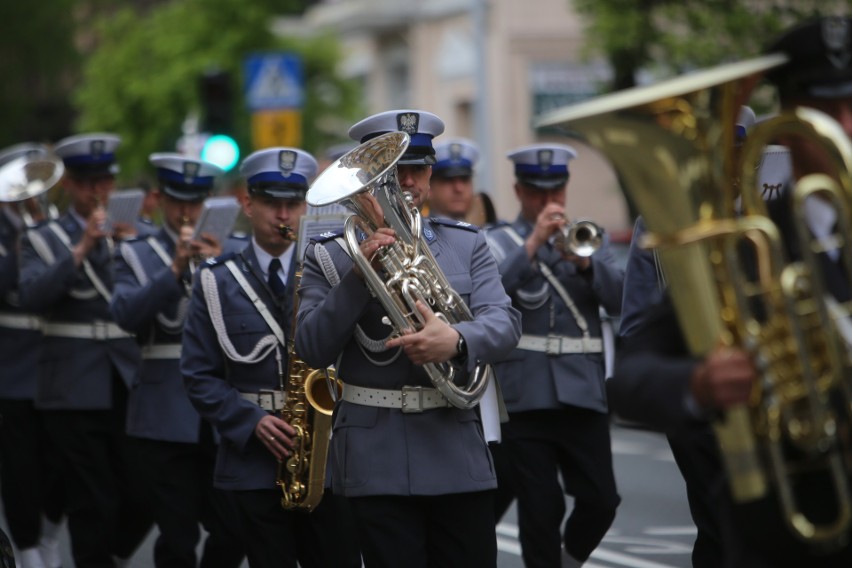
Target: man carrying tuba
416, 469
659, 383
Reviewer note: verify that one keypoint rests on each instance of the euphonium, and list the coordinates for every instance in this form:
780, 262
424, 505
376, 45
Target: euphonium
672, 144
308, 405
27, 172
364, 180
581, 238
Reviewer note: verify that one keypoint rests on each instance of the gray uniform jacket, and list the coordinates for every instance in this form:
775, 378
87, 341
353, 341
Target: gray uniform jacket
214, 382
533, 380
75, 373
381, 451
644, 283
20, 338
152, 303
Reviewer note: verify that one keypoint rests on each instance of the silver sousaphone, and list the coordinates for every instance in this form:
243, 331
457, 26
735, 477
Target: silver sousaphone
365, 181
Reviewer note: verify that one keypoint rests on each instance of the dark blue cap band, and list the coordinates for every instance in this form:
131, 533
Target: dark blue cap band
529, 169
293, 180
178, 178
89, 159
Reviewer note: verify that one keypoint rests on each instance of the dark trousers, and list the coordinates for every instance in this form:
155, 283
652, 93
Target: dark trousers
576, 443
455, 530
275, 538
505, 493
30, 482
179, 481
108, 514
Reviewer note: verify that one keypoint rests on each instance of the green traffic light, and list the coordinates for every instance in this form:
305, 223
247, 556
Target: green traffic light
222, 150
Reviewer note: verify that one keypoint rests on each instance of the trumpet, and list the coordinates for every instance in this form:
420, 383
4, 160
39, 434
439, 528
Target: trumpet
582, 238
27, 172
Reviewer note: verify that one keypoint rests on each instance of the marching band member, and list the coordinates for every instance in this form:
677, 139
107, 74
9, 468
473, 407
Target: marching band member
234, 364
88, 362
418, 476
553, 382
31, 488
174, 446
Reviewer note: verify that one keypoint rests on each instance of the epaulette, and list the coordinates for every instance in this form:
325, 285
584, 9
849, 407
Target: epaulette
221, 259
454, 223
239, 235
135, 239
326, 236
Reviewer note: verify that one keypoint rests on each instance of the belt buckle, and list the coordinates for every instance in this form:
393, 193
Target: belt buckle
100, 330
409, 404
553, 345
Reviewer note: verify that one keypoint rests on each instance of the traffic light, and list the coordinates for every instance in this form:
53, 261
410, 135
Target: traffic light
217, 119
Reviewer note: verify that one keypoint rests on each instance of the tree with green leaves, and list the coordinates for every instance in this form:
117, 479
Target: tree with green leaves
142, 81
668, 37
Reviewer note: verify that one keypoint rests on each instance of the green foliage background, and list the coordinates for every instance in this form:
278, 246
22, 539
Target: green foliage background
142, 80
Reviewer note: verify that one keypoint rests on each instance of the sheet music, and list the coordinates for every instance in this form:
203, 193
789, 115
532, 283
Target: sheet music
311, 226
124, 206
218, 216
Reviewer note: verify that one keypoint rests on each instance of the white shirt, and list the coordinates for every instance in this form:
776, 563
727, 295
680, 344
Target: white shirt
264, 258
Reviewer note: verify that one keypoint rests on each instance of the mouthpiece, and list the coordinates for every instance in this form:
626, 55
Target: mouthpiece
287, 232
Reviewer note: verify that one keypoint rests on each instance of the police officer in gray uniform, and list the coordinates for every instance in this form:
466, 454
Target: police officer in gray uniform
234, 363
175, 447
88, 362
553, 382
33, 500
419, 477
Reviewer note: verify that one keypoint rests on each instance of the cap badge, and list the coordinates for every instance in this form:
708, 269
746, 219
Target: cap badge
545, 159
408, 122
286, 162
190, 171
455, 151
96, 148
836, 36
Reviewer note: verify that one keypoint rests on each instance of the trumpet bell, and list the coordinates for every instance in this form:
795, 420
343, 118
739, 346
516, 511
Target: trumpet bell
27, 177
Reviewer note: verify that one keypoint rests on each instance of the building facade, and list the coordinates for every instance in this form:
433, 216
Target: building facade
488, 68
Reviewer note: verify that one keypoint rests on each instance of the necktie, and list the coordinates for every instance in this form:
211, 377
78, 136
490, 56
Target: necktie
274, 280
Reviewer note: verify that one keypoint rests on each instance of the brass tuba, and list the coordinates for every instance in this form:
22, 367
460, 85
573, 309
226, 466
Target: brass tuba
308, 405
673, 145
364, 180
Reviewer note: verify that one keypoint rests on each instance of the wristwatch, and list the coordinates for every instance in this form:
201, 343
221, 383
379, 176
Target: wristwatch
461, 347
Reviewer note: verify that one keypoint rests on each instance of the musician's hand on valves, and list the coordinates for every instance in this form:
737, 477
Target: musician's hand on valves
93, 232
550, 220
371, 245
207, 246
276, 435
435, 343
725, 378
183, 251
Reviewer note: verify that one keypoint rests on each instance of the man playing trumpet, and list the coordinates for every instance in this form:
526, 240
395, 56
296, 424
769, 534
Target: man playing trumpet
558, 420
175, 447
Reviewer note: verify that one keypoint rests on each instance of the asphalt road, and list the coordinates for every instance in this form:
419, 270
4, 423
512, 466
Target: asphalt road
652, 529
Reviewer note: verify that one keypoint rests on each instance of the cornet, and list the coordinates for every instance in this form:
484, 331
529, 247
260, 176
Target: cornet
27, 172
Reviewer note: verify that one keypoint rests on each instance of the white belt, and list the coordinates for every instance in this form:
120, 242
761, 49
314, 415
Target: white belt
164, 351
267, 399
409, 399
21, 321
97, 330
558, 345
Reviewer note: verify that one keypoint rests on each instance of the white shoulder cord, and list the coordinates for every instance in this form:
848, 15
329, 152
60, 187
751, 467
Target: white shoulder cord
563, 293
87, 266
132, 259
364, 342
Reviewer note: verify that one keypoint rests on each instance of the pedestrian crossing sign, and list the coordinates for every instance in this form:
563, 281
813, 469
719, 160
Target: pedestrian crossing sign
273, 81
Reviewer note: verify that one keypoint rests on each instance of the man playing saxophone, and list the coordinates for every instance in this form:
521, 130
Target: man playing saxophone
234, 363
658, 383
416, 470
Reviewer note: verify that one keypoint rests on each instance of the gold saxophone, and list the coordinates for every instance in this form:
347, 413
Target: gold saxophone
672, 144
308, 405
